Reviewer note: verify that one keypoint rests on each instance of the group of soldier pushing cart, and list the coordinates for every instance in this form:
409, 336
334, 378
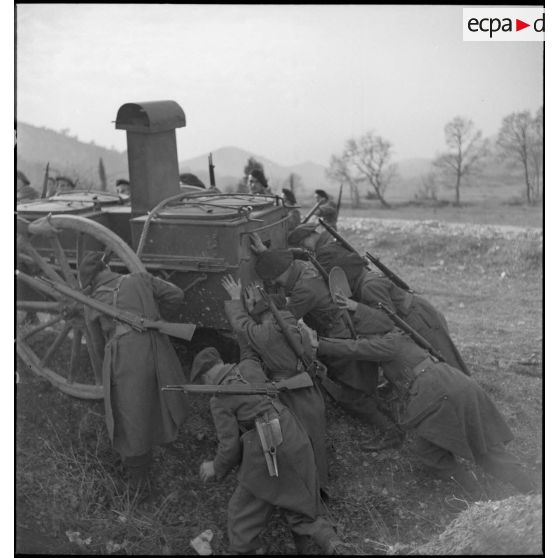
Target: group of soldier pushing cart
315, 323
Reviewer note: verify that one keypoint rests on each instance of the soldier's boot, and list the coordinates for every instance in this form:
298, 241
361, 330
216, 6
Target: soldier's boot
464, 479
137, 473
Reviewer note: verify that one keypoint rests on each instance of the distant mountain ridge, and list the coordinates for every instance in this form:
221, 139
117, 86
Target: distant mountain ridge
68, 155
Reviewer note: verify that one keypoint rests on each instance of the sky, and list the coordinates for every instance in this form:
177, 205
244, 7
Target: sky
288, 82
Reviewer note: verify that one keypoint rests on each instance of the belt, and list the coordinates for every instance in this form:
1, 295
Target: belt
406, 384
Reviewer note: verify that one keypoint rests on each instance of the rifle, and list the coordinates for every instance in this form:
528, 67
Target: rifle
325, 276
45, 182
211, 171
271, 389
393, 277
313, 367
182, 331
338, 207
311, 212
415, 335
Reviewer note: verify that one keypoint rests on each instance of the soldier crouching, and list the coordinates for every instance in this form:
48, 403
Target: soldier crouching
285, 476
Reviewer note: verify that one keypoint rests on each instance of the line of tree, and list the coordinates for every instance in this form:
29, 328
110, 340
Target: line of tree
366, 161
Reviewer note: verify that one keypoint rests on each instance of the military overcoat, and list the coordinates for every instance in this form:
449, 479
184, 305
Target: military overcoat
137, 364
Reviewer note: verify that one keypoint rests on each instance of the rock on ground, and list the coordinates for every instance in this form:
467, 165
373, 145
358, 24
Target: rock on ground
511, 526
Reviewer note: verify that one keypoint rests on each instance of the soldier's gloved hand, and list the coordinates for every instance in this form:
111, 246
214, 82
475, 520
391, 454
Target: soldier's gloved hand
207, 470
232, 286
256, 244
344, 302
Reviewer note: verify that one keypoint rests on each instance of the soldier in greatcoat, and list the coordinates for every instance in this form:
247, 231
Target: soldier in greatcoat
309, 298
136, 365
327, 209
258, 331
295, 488
450, 413
371, 287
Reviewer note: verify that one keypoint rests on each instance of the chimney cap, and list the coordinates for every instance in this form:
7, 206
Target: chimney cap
150, 116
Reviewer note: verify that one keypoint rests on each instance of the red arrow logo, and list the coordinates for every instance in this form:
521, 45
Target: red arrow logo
519, 25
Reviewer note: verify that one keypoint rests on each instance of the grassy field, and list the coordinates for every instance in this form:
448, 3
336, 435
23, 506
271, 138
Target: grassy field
487, 282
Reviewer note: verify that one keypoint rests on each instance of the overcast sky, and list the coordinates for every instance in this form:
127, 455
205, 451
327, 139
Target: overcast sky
291, 83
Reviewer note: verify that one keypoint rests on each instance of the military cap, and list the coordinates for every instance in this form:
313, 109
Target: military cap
289, 196
122, 181
190, 179
271, 263
205, 360
90, 266
322, 193
300, 233
260, 177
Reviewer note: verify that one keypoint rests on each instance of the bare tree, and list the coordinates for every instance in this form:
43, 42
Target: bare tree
517, 139
466, 150
537, 151
365, 160
339, 171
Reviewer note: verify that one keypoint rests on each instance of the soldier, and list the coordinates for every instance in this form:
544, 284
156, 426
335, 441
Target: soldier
310, 299
136, 365
450, 413
294, 214
371, 287
327, 209
64, 185
189, 179
123, 187
294, 484
257, 182
259, 332
24, 191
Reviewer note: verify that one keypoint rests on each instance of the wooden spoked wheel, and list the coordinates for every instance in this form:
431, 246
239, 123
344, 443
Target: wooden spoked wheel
56, 338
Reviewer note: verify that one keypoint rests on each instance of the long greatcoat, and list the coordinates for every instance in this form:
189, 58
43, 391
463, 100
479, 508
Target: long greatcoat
296, 487
137, 364
371, 288
444, 406
280, 361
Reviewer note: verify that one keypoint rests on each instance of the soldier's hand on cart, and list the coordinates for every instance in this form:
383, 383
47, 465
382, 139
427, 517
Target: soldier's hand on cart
207, 470
256, 243
43, 226
232, 286
344, 302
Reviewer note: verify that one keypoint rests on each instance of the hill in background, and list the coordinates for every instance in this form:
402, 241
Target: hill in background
69, 156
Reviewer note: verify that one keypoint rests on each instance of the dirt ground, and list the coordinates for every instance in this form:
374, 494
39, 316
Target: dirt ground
487, 281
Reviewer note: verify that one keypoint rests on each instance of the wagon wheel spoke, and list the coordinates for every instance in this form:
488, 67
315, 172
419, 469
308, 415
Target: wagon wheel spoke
38, 305
38, 328
47, 269
79, 248
75, 354
57, 342
63, 262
